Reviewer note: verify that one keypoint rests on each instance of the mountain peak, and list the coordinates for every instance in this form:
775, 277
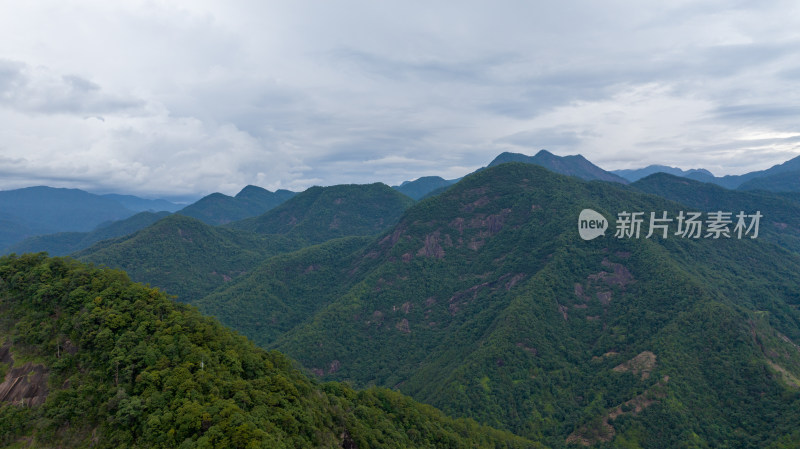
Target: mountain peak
575, 165
250, 190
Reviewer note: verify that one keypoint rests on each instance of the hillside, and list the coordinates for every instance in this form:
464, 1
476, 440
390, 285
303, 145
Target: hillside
218, 209
284, 290
323, 213
63, 243
575, 165
484, 302
185, 256
90, 359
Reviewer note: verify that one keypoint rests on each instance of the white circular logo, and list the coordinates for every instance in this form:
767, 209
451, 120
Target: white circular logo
591, 224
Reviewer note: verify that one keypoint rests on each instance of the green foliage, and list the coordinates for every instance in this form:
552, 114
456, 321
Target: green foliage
484, 302
147, 372
283, 291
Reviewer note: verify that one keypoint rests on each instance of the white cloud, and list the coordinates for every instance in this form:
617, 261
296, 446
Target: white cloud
185, 97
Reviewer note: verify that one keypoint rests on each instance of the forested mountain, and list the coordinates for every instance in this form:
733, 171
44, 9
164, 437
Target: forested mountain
485, 302
189, 258
45, 210
420, 187
575, 165
63, 243
781, 213
90, 359
323, 213
217, 208
185, 256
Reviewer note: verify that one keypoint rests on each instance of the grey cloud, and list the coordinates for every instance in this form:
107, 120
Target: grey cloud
258, 85
427, 69
39, 90
547, 138
759, 112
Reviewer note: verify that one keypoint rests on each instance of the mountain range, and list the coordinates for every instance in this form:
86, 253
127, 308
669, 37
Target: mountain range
484, 302
783, 177
251, 201
40, 210
480, 299
190, 258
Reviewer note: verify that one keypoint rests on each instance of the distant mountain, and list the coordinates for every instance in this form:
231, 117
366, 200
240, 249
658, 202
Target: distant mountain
323, 213
137, 204
788, 181
218, 209
90, 359
485, 302
63, 243
777, 178
420, 187
639, 173
44, 210
185, 256
576, 165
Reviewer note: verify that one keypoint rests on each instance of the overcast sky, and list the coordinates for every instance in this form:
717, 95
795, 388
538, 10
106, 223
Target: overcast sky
170, 98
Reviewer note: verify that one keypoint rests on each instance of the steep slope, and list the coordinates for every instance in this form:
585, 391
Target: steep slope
575, 165
324, 213
283, 291
185, 256
217, 208
781, 214
90, 359
639, 173
64, 243
485, 302
778, 182
45, 210
420, 187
